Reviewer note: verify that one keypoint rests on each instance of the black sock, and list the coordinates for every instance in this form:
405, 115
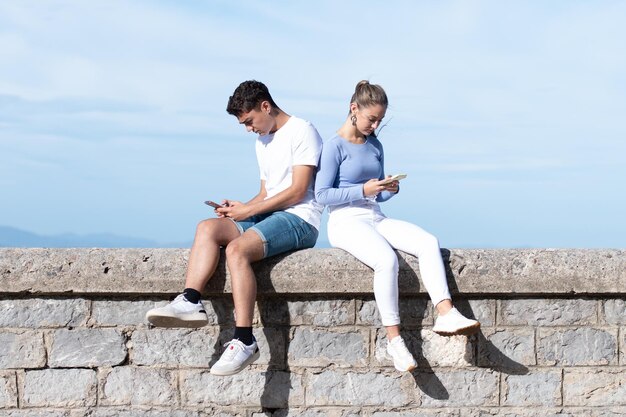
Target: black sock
192, 295
244, 334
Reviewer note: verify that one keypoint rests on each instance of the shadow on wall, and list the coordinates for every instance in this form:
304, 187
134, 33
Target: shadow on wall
490, 356
275, 338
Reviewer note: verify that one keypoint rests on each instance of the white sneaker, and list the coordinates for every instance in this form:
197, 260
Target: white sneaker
454, 323
178, 313
236, 357
403, 361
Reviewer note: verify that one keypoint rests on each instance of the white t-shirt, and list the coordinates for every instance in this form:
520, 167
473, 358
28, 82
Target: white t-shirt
295, 143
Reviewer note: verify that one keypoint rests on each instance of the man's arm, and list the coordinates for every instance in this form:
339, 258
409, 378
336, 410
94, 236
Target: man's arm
260, 196
301, 176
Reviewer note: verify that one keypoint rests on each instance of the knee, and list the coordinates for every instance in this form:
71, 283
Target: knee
237, 252
427, 242
431, 241
386, 261
233, 250
204, 230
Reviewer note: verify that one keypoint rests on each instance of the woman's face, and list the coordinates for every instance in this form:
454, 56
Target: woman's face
368, 119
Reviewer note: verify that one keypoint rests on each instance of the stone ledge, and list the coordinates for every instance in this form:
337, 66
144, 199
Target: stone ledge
312, 271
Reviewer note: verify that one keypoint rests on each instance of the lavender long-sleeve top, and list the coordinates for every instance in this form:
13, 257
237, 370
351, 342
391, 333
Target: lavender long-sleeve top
344, 167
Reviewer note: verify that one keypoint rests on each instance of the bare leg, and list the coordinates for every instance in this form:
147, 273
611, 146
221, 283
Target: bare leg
444, 306
205, 252
392, 331
240, 254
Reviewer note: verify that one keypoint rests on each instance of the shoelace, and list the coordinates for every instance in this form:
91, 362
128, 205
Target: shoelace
179, 298
400, 343
229, 354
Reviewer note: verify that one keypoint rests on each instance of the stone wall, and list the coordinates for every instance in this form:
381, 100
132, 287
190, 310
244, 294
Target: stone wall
74, 341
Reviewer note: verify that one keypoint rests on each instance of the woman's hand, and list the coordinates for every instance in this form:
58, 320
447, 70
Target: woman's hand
393, 186
373, 187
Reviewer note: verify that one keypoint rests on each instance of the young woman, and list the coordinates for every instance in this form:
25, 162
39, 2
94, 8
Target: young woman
351, 181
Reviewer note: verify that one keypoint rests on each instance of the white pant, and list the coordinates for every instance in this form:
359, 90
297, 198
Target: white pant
364, 231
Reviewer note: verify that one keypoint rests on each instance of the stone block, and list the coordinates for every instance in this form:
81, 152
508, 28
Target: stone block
272, 344
41, 413
271, 389
122, 412
312, 347
8, 389
459, 388
510, 348
537, 388
612, 412
106, 313
22, 349
418, 413
43, 312
594, 387
614, 312
413, 312
293, 412
220, 311
429, 349
87, 348
622, 346
323, 313
548, 312
337, 388
60, 388
125, 385
524, 412
174, 347
576, 347
161, 271
482, 310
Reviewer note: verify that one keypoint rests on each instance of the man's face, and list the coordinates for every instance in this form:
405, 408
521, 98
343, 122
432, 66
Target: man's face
258, 120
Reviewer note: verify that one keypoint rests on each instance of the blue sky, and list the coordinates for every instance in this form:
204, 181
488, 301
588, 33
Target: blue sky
506, 116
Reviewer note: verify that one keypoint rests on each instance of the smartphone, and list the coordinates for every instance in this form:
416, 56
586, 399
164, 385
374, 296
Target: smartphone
213, 204
396, 177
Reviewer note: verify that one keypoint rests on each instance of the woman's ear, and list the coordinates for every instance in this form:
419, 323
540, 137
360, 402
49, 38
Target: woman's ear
353, 108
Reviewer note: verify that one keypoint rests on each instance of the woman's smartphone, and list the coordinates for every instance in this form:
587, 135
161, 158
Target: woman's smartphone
396, 177
213, 204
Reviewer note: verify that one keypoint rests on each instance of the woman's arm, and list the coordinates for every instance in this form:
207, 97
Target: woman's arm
328, 171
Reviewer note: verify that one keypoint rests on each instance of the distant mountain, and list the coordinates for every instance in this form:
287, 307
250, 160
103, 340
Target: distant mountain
12, 237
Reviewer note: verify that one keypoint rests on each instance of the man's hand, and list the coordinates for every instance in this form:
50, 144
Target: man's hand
235, 210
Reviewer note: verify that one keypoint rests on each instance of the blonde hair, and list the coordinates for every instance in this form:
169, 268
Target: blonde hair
366, 95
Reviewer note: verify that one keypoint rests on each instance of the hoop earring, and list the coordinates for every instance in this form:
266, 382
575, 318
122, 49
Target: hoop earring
353, 120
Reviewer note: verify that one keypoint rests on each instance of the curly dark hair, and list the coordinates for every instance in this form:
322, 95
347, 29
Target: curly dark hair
248, 96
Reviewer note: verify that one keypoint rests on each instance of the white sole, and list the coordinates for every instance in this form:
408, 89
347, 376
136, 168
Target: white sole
464, 331
195, 321
409, 369
256, 355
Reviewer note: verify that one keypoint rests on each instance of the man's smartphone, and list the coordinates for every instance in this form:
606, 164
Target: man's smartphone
213, 204
396, 177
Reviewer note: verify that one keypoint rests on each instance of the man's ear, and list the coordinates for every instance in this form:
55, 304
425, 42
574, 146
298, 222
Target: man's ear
266, 107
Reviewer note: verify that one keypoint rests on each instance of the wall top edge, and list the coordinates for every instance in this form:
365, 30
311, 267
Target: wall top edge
313, 271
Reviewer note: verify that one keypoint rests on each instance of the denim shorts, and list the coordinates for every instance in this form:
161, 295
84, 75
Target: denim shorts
280, 232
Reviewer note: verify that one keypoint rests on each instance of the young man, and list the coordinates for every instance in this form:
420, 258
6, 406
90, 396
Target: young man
283, 216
